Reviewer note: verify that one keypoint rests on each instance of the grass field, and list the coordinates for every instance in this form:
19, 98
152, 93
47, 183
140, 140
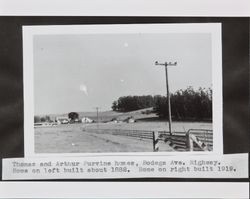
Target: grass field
71, 138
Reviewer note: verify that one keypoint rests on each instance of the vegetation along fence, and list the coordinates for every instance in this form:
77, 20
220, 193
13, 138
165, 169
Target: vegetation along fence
192, 140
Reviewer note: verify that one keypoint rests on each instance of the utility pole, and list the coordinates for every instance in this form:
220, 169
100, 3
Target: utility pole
97, 115
166, 64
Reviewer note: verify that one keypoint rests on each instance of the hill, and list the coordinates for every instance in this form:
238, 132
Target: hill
105, 116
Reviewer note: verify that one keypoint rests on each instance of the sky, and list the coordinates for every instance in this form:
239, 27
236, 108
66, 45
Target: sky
81, 72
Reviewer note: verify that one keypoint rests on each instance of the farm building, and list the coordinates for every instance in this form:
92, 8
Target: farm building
130, 120
62, 120
86, 120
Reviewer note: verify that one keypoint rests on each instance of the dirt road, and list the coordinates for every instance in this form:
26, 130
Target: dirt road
72, 139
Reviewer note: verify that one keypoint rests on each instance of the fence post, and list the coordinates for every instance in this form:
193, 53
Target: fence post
155, 141
190, 144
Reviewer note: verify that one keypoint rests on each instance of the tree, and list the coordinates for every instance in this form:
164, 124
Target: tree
43, 119
73, 116
188, 104
115, 106
132, 103
37, 119
47, 118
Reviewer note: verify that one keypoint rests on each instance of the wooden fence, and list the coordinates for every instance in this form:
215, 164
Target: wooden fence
141, 134
177, 140
192, 140
200, 139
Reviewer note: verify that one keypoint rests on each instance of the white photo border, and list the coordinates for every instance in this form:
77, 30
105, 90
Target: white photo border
102, 8
147, 190
29, 31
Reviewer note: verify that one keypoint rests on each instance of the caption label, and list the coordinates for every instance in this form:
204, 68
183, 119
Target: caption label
198, 166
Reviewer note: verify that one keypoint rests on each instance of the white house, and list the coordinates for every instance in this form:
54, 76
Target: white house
86, 120
62, 120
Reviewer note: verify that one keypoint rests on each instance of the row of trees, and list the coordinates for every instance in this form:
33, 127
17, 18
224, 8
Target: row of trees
188, 104
131, 103
73, 116
38, 119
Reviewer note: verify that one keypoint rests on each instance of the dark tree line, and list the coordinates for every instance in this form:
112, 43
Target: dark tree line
131, 103
38, 119
188, 104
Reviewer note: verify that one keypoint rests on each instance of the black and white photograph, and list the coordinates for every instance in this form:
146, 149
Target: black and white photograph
135, 100
122, 88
